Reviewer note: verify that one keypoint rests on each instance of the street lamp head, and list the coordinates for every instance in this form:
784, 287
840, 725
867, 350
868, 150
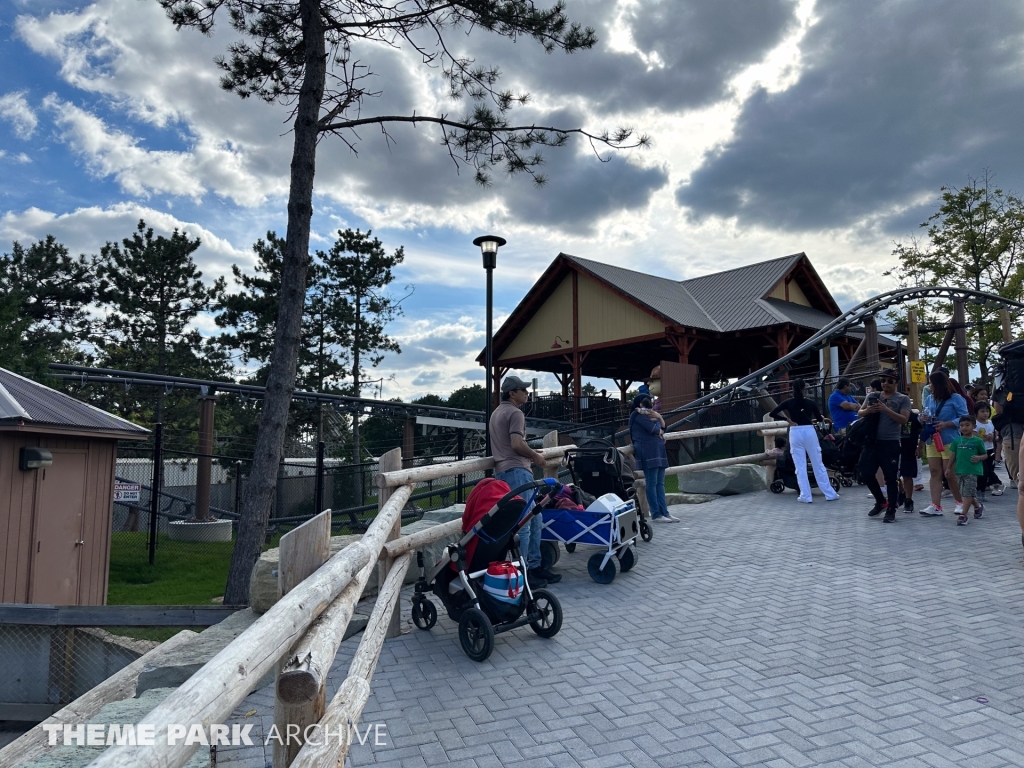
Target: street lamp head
489, 245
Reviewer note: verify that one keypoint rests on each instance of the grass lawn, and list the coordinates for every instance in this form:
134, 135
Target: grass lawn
184, 573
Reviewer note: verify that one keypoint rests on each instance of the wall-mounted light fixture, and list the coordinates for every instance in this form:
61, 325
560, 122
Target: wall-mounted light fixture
556, 345
34, 458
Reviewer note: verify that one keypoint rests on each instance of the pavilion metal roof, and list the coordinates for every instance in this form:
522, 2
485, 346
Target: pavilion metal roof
31, 403
732, 300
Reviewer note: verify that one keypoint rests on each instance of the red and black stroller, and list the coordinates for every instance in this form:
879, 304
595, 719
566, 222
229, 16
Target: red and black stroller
481, 580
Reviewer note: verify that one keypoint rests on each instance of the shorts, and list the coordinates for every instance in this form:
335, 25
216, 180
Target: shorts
968, 485
931, 453
908, 461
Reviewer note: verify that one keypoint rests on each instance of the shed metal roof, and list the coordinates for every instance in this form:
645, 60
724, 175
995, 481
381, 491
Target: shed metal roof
28, 401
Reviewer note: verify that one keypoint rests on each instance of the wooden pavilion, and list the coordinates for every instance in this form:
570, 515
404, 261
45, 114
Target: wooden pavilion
583, 317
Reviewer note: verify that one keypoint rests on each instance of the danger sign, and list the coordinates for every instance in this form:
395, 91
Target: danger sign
127, 492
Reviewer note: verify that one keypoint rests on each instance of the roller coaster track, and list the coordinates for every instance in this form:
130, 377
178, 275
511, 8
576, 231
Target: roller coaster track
838, 327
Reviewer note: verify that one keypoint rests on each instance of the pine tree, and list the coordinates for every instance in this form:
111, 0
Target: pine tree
154, 291
299, 53
54, 291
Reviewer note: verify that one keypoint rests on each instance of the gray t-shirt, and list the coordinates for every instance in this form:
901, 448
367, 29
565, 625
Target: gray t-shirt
887, 428
507, 420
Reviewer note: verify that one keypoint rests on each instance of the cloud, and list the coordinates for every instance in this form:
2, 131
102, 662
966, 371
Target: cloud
85, 230
15, 109
894, 100
426, 378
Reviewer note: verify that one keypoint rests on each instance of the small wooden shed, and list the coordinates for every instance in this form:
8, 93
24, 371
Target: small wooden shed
55, 519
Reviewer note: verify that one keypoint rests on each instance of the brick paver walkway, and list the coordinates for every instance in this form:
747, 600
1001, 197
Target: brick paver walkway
759, 631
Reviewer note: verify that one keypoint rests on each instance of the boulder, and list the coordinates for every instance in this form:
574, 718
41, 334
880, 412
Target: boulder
723, 481
263, 589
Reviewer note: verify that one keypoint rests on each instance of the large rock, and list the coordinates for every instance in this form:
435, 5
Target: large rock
117, 713
723, 481
175, 667
263, 588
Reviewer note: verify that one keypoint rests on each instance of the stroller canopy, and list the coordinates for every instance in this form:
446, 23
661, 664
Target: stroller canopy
493, 540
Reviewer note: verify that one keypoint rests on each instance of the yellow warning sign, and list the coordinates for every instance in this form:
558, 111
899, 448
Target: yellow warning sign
917, 372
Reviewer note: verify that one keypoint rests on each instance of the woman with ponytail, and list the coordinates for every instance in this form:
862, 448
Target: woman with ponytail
801, 414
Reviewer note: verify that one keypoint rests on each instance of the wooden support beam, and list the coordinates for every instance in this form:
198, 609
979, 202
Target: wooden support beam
347, 705
940, 358
1004, 319
302, 551
871, 343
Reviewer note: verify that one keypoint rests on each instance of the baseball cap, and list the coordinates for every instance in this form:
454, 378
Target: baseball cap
513, 382
892, 373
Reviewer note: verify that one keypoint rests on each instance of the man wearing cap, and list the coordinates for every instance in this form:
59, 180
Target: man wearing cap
894, 410
512, 458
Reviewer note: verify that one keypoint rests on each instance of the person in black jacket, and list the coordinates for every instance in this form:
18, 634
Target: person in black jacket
803, 442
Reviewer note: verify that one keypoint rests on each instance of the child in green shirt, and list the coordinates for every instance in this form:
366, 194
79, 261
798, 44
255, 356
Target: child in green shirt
969, 453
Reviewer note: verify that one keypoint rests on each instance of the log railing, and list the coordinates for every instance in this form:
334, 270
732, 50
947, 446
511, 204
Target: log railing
299, 636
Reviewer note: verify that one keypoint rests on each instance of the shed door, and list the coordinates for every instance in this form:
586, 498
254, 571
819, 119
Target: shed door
60, 508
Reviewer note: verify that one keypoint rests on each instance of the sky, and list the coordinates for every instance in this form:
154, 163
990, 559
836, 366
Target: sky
777, 126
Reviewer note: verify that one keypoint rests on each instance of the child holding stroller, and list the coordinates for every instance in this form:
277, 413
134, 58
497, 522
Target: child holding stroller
968, 453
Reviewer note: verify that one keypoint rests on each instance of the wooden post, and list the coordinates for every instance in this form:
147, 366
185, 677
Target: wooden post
551, 441
390, 461
1004, 317
205, 462
914, 353
408, 441
769, 465
963, 372
871, 343
302, 551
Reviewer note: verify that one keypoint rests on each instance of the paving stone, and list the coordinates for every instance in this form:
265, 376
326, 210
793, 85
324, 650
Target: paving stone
759, 631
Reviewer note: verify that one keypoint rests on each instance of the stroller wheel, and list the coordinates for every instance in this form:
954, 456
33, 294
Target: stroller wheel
777, 486
646, 532
476, 634
549, 553
570, 548
548, 612
834, 482
599, 574
424, 614
627, 559
846, 481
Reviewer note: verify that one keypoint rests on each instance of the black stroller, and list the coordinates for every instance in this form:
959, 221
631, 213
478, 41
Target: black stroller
832, 456
598, 467
481, 580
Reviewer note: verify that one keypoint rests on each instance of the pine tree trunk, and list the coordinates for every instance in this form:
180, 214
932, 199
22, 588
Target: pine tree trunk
259, 491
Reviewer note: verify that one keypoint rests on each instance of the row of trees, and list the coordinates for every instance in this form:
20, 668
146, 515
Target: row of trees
974, 240
134, 306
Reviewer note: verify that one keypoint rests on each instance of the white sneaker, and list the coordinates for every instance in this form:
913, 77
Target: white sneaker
663, 519
958, 509
669, 518
997, 490
931, 511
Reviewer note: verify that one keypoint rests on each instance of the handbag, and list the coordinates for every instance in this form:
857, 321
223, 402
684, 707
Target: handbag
504, 581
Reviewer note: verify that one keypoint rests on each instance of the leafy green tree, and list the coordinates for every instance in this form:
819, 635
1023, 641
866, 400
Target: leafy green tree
299, 53
153, 291
974, 240
54, 291
471, 398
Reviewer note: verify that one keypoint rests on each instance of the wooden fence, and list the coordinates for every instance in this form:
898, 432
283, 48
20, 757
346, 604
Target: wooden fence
299, 636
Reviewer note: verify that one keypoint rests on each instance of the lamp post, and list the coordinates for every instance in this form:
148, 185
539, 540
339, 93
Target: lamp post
489, 245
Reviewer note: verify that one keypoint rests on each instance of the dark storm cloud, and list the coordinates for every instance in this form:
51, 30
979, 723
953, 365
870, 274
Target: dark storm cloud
699, 46
896, 99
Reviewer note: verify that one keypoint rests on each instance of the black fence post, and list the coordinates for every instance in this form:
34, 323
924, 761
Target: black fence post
460, 455
238, 487
154, 493
318, 494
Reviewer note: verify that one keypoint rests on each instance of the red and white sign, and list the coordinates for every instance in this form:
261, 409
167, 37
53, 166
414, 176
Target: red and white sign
127, 492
